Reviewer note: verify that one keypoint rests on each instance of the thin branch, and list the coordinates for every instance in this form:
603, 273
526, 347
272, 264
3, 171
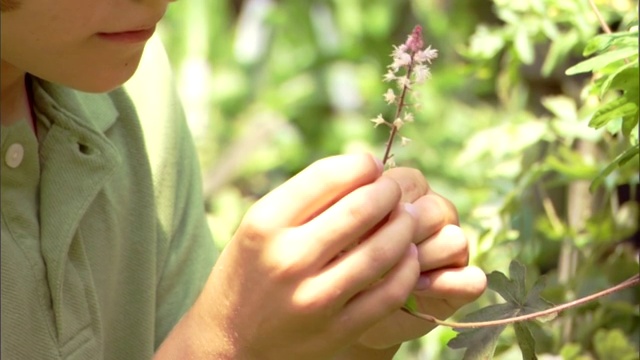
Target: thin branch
603, 24
401, 104
634, 280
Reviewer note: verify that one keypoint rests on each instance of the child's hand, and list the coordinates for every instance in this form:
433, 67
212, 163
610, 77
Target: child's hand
446, 282
314, 264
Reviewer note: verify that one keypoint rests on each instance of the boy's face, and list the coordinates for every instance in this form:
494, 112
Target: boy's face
90, 45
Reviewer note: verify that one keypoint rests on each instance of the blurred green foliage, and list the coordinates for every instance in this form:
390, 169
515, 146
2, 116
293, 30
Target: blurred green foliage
270, 86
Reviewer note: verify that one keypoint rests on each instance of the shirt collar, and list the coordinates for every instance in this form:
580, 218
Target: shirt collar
94, 110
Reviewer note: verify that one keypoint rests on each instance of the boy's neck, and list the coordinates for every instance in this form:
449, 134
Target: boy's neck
14, 102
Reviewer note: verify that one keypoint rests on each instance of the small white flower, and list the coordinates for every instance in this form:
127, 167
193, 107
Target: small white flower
398, 123
403, 81
401, 60
399, 50
404, 141
408, 117
427, 55
389, 76
378, 120
389, 96
421, 73
391, 162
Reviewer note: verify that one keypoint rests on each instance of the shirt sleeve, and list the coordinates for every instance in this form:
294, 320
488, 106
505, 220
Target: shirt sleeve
187, 252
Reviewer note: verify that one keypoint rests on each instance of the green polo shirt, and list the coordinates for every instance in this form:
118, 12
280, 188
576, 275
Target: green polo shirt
104, 238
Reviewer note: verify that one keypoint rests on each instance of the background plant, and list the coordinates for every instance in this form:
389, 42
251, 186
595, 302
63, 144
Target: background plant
503, 132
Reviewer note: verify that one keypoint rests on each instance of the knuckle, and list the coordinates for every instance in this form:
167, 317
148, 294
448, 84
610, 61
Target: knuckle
378, 256
359, 214
286, 269
286, 259
307, 300
252, 231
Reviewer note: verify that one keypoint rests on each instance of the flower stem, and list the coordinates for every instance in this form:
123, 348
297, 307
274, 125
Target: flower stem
634, 280
394, 128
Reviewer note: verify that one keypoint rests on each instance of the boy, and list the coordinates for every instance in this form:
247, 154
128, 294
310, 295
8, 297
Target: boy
105, 249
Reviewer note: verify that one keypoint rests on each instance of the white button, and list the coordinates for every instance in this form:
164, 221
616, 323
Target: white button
14, 155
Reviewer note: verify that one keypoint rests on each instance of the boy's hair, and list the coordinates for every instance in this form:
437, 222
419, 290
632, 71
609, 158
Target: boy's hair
8, 5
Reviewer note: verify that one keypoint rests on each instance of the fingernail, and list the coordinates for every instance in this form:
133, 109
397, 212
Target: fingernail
423, 282
413, 249
411, 209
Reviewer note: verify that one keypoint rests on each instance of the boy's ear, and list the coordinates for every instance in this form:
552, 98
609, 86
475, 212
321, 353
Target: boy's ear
8, 5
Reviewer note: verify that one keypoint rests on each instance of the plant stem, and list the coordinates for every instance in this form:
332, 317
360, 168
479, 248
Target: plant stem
634, 280
394, 128
603, 24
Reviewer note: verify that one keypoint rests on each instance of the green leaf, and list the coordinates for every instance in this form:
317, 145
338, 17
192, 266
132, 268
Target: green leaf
629, 123
525, 341
571, 351
624, 78
604, 41
411, 303
601, 61
617, 162
523, 46
485, 43
518, 275
613, 345
571, 165
612, 110
535, 302
499, 283
480, 343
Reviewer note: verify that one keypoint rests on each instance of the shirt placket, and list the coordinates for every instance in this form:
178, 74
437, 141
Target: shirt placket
76, 163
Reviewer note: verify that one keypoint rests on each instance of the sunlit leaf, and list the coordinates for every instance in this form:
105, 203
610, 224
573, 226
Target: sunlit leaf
615, 109
624, 78
604, 41
601, 61
620, 160
523, 45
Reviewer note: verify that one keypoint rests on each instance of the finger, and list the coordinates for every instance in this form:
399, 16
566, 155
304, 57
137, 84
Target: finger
435, 213
456, 287
386, 296
349, 219
411, 181
468, 283
314, 189
447, 248
367, 263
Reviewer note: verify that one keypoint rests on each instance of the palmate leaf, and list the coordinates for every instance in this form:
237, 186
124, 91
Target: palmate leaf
525, 341
480, 343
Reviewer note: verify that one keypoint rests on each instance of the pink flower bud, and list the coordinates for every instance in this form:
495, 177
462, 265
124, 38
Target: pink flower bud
414, 42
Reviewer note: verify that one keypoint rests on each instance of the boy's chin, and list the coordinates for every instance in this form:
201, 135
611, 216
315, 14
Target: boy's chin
105, 81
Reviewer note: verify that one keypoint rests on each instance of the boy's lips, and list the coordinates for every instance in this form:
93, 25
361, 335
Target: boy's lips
129, 36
